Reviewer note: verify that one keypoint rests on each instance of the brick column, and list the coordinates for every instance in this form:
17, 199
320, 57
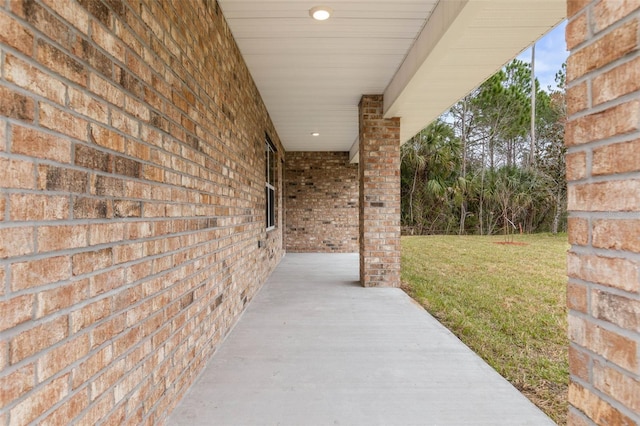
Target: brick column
603, 173
379, 195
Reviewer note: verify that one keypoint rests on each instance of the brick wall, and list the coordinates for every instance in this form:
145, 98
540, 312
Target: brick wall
603, 170
132, 203
379, 195
321, 193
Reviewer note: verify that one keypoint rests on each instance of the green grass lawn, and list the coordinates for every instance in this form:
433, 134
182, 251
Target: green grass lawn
504, 301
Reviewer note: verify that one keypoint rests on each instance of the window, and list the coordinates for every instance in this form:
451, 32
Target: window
270, 186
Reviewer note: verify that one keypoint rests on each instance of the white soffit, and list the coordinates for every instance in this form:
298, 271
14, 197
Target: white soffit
463, 43
423, 55
310, 74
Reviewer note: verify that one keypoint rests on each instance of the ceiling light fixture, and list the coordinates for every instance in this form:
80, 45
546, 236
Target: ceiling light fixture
315, 134
320, 13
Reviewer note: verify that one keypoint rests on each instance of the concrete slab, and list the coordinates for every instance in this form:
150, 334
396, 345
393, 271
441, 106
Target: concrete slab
315, 348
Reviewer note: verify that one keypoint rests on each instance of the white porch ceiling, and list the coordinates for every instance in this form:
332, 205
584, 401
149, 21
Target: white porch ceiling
423, 55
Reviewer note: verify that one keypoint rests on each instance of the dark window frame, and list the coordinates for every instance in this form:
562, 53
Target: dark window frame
271, 171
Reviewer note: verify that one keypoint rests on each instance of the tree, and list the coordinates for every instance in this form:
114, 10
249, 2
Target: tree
430, 162
478, 169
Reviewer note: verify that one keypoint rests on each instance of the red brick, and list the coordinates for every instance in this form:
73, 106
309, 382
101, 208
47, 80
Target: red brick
98, 410
15, 35
38, 338
106, 138
33, 207
106, 281
4, 354
579, 363
619, 273
39, 401
577, 31
577, 98
15, 311
107, 41
124, 123
107, 186
617, 234
55, 360
617, 120
576, 166
16, 105
16, 241
88, 157
152, 173
613, 45
577, 297
615, 309
595, 408
126, 341
63, 122
620, 81
95, 363
58, 237
623, 388
45, 22
40, 145
117, 416
617, 158
69, 409
612, 346
127, 252
114, 372
91, 208
17, 174
125, 208
321, 189
32, 79
61, 63
106, 233
34, 273
578, 231
131, 380
90, 314
107, 330
575, 6
81, 103
16, 384
52, 178
72, 12
605, 12
620, 196
92, 261
106, 90
61, 297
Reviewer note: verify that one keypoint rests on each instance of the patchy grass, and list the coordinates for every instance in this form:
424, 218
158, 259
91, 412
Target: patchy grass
504, 301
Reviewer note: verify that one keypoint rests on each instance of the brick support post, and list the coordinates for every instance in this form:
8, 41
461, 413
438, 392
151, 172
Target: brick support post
379, 195
603, 173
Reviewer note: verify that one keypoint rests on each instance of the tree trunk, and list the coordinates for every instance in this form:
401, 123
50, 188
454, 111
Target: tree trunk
556, 215
413, 189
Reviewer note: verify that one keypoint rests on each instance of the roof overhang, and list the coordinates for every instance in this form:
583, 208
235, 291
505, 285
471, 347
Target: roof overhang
424, 55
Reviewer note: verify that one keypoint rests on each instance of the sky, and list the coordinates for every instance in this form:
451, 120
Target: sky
550, 54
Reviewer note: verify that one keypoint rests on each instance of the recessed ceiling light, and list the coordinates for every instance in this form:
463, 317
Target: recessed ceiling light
320, 13
315, 134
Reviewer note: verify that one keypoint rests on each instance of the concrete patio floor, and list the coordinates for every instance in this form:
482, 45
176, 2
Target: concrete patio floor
315, 348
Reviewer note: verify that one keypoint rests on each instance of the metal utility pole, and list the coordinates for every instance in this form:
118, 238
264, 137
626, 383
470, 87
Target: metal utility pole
533, 105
